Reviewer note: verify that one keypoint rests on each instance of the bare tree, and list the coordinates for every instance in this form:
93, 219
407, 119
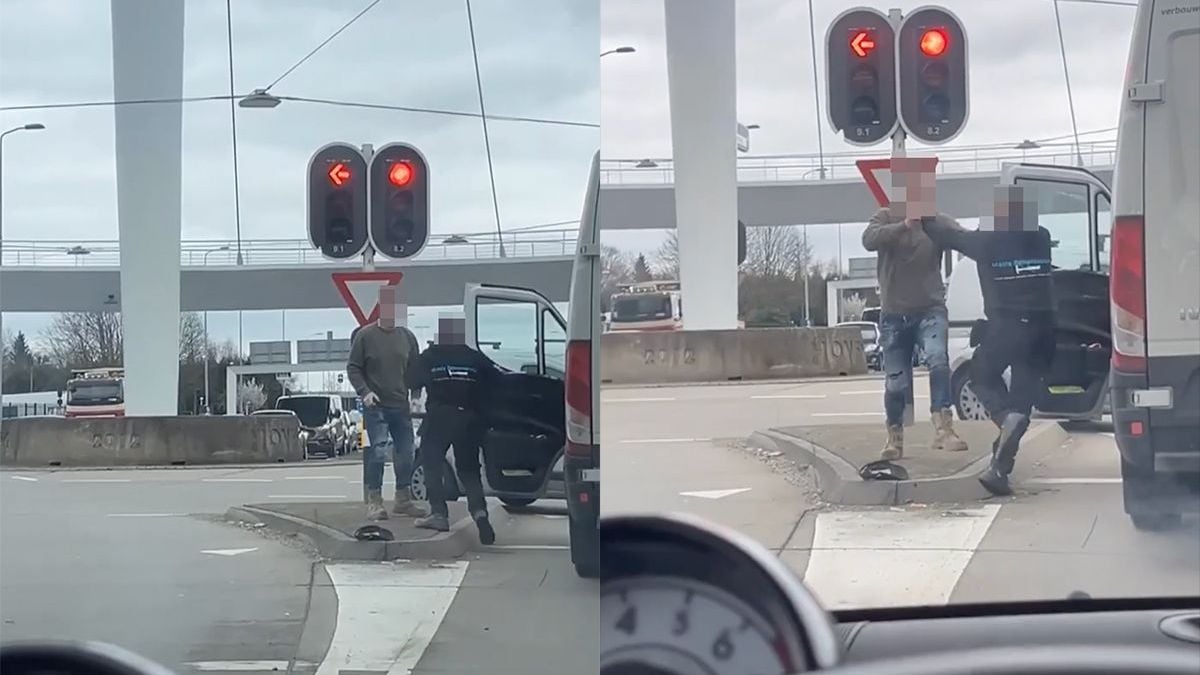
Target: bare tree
852, 307
192, 341
777, 251
250, 396
615, 270
94, 339
667, 256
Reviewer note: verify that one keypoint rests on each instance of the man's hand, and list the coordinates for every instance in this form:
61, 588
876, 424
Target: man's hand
371, 399
913, 223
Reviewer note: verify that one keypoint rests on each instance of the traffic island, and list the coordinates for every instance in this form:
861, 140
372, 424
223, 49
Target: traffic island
331, 527
837, 452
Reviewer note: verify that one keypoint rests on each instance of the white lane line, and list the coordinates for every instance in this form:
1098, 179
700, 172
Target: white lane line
790, 396
648, 399
242, 666
848, 414
230, 552
387, 614
31, 479
313, 477
665, 440
874, 392
306, 496
714, 494
1073, 481
146, 515
893, 558
96, 480
532, 547
235, 480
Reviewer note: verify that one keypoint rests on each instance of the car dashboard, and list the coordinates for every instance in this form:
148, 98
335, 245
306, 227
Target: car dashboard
680, 596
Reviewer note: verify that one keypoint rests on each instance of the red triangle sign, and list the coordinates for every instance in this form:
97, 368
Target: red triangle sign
877, 173
360, 290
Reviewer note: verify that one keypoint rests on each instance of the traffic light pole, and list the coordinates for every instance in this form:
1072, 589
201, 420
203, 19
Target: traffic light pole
895, 16
368, 256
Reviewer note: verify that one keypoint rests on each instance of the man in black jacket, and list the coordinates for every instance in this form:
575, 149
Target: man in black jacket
456, 379
1012, 256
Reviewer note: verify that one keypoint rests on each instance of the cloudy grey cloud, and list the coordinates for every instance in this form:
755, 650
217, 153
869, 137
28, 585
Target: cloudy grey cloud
537, 59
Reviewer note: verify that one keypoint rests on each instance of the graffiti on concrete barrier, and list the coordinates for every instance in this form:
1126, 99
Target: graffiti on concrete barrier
270, 437
111, 441
683, 356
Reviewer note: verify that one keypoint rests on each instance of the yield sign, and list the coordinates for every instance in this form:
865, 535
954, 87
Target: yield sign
360, 290
877, 175
339, 174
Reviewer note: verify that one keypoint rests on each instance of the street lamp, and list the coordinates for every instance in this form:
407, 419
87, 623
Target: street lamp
259, 98
618, 50
1026, 145
207, 404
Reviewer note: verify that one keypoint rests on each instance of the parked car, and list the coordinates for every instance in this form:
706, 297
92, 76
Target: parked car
870, 342
322, 421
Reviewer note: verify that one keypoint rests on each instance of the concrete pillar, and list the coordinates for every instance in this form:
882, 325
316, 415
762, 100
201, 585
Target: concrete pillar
701, 70
147, 47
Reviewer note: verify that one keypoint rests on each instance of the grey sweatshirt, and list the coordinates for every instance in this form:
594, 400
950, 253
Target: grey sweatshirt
379, 362
907, 263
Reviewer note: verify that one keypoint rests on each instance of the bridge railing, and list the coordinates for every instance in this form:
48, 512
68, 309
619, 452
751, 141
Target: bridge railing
285, 252
791, 168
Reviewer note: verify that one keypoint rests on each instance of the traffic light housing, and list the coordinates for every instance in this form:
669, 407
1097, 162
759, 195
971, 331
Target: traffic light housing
934, 94
861, 76
337, 201
399, 194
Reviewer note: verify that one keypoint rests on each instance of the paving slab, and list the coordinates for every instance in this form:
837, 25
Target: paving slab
837, 451
330, 526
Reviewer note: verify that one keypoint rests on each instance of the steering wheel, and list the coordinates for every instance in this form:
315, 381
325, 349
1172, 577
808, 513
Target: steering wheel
1045, 660
74, 658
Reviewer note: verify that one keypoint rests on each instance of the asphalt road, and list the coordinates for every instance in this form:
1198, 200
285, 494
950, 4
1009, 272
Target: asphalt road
679, 449
141, 559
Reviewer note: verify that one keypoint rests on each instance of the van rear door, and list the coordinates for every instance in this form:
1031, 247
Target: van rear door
522, 332
1171, 175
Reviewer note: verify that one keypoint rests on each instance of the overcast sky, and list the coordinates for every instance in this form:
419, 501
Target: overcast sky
538, 58
1016, 77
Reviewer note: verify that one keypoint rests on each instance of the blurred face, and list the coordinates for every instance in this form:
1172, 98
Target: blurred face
452, 330
1011, 212
387, 306
913, 194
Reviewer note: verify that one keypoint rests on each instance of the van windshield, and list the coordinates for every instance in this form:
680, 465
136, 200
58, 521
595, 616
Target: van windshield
641, 307
98, 391
313, 411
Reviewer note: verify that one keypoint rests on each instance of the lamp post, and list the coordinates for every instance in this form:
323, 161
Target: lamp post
207, 403
33, 126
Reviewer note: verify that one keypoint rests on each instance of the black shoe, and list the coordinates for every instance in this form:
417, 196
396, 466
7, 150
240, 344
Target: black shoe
487, 536
995, 482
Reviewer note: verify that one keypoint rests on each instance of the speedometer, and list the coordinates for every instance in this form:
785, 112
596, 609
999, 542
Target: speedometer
673, 626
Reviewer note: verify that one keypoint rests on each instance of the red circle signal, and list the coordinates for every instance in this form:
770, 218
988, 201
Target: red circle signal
934, 42
401, 174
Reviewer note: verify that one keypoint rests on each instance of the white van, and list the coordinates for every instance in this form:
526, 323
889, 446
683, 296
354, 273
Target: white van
1156, 267
546, 443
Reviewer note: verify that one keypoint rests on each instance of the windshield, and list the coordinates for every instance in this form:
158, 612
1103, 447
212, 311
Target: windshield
313, 411
641, 306
83, 393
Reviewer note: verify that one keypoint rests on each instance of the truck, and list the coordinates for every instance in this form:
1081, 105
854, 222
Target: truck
95, 392
647, 306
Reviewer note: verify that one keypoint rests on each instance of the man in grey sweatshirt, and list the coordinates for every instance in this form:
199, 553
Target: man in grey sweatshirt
913, 305
381, 355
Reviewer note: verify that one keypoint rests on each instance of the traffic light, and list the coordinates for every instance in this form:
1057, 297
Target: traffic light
337, 201
933, 75
861, 76
399, 201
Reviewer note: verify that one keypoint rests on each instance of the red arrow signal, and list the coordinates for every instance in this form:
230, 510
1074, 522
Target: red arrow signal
862, 44
339, 174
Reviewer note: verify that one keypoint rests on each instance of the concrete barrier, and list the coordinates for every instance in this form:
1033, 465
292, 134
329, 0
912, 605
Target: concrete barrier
719, 355
149, 441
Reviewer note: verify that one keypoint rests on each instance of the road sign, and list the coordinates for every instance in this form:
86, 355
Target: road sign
360, 290
860, 75
877, 173
337, 201
931, 48
277, 351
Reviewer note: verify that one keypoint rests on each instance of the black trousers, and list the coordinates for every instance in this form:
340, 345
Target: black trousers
464, 431
1024, 345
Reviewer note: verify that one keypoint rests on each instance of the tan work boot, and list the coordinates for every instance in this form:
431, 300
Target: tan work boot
375, 508
894, 448
405, 506
944, 437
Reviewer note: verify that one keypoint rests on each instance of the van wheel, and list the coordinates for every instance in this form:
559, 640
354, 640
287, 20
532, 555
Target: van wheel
585, 548
417, 488
517, 501
1155, 522
966, 403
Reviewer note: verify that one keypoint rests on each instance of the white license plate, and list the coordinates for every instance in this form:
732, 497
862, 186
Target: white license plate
590, 475
1151, 398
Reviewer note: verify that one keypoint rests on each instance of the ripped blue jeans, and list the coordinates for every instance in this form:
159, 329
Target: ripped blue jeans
899, 335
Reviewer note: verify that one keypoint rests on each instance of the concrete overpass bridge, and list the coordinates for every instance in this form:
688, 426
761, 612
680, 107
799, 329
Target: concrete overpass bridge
789, 189
75, 276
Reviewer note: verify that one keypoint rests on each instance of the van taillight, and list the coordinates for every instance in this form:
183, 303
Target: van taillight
1127, 289
579, 397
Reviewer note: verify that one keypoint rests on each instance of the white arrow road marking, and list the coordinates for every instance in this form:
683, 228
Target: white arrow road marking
903, 557
714, 494
31, 479
229, 551
387, 614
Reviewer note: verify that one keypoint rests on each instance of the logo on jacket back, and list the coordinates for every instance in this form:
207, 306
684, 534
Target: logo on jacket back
1021, 268
454, 373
